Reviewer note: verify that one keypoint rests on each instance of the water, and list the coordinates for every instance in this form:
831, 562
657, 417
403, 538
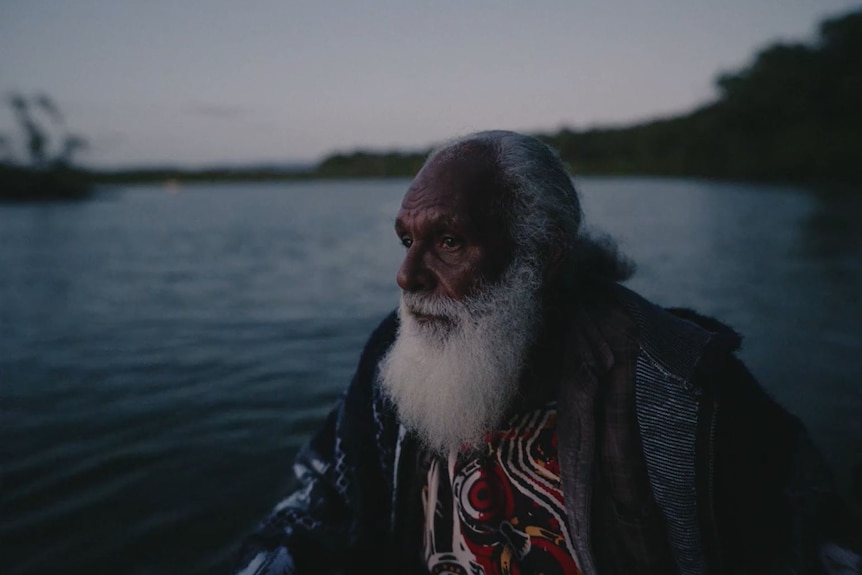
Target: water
164, 352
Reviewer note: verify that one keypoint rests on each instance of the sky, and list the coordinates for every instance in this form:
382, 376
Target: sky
197, 83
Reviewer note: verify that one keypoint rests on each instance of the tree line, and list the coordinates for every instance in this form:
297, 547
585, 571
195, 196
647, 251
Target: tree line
793, 114
42, 167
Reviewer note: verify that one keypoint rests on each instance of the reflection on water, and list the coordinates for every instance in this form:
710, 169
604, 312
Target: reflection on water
832, 234
164, 354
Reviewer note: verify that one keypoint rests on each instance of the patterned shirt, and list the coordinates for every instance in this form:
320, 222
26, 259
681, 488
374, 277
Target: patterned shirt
500, 510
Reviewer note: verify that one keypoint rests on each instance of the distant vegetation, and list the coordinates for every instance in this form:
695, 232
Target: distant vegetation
40, 166
794, 114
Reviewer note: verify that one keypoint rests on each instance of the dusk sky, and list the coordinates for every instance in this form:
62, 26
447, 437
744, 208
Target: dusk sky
204, 82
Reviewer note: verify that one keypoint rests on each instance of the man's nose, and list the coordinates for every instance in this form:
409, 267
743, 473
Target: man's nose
414, 275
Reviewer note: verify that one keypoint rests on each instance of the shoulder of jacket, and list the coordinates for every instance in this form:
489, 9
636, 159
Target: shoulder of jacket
676, 339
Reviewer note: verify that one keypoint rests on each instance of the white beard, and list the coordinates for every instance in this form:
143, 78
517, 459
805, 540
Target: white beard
453, 381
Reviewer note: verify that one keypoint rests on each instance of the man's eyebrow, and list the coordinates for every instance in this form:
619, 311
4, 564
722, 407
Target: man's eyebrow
434, 221
446, 219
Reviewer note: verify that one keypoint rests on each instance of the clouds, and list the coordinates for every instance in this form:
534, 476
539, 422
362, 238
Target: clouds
215, 111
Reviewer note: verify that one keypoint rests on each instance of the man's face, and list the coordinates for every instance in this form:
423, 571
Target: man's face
453, 240
469, 309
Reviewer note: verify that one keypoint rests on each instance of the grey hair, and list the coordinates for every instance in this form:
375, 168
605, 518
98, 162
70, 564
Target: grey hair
542, 205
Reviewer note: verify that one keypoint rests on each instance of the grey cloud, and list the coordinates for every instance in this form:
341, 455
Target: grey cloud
215, 110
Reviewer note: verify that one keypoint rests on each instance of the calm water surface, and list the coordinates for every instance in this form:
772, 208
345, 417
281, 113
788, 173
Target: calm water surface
164, 352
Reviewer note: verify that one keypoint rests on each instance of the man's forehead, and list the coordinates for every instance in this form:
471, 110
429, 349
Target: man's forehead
455, 176
431, 217
432, 203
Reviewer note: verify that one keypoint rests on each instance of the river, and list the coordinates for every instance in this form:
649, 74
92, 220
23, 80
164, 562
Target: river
165, 350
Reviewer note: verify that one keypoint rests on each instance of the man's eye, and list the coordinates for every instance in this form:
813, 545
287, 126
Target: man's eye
406, 241
450, 242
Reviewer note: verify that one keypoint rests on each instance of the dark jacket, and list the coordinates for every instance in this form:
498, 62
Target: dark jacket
739, 486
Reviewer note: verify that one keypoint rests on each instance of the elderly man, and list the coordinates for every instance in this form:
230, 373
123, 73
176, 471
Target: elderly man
522, 412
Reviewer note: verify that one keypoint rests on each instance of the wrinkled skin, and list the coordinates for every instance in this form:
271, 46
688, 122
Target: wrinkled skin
454, 241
